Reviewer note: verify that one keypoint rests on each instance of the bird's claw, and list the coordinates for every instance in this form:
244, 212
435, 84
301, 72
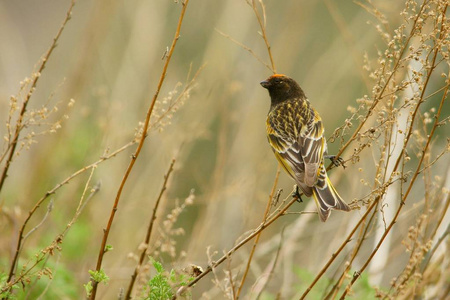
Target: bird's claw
296, 194
336, 161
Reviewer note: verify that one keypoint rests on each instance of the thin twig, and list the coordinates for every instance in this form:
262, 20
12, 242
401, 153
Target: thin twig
47, 213
103, 158
230, 278
430, 254
54, 245
53, 191
255, 243
413, 179
336, 253
20, 120
138, 149
301, 213
23, 109
262, 26
348, 38
280, 212
386, 84
47, 286
363, 233
248, 49
445, 151
275, 261
149, 231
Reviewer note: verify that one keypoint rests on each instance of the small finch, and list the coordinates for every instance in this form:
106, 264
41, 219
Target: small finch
295, 133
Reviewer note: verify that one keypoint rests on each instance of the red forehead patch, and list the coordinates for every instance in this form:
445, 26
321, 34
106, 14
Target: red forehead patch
277, 75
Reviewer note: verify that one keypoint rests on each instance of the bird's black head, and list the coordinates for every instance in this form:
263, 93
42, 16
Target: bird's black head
282, 88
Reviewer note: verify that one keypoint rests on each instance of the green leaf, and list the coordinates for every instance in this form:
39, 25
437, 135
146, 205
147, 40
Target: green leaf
99, 276
88, 288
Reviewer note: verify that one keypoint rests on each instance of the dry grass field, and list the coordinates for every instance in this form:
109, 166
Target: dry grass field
134, 162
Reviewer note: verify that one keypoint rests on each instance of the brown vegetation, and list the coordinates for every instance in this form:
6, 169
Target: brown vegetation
140, 132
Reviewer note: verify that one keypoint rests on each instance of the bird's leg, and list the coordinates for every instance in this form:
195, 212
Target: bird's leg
296, 194
336, 161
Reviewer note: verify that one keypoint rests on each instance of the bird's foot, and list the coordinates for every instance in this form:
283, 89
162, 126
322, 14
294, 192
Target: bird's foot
337, 161
296, 194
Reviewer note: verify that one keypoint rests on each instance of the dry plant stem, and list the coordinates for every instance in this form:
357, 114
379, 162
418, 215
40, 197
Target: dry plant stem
430, 253
47, 287
413, 179
260, 228
245, 48
362, 235
138, 149
347, 36
275, 261
426, 261
47, 213
48, 194
441, 218
42, 254
386, 84
18, 127
66, 181
335, 254
230, 278
262, 25
255, 243
149, 231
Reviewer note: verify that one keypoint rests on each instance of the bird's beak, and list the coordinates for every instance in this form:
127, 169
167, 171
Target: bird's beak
265, 84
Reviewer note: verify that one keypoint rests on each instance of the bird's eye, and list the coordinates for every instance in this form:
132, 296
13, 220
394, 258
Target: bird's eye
278, 80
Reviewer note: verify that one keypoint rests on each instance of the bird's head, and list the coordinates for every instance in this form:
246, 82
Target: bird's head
282, 87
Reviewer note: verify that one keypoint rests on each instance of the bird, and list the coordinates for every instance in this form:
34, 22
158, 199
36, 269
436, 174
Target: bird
296, 135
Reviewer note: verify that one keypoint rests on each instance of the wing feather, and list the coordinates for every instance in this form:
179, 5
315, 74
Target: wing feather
313, 146
284, 129
295, 133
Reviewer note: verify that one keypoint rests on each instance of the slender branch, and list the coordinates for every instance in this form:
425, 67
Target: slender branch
19, 126
51, 192
138, 149
445, 151
23, 109
54, 245
274, 264
255, 243
363, 233
248, 49
335, 254
407, 138
149, 231
413, 179
430, 254
347, 36
262, 26
441, 218
47, 213
260, 228
230, 278
386, 84
103, 158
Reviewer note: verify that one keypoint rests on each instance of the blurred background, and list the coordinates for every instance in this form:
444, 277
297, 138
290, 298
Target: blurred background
109, 60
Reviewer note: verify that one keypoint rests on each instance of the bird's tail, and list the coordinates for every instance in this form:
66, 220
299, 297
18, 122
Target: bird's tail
327, 198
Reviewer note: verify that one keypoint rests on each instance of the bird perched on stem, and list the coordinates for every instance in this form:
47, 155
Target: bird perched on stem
295, 133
